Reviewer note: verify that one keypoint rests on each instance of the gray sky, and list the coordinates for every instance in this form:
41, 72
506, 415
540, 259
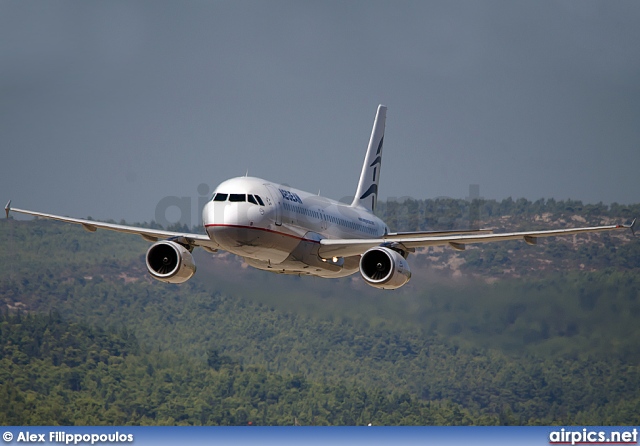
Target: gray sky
107, 107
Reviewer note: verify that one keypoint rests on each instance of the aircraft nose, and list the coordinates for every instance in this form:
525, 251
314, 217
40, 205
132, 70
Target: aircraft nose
223, 214
208, 214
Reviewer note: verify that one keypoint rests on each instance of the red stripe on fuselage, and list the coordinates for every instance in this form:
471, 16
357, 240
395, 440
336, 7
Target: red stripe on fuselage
262, 229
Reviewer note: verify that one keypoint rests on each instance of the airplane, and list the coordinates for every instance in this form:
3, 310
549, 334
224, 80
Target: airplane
277, 228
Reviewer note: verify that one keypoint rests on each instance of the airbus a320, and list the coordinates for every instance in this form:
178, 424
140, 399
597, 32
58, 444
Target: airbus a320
277, 228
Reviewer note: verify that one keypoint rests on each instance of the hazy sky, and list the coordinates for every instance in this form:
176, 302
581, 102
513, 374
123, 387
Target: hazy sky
108, 107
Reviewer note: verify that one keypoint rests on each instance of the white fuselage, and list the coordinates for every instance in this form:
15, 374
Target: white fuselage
278, 228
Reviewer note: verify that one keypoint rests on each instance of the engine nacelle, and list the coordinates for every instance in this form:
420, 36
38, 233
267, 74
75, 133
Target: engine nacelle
384, 268
170, 262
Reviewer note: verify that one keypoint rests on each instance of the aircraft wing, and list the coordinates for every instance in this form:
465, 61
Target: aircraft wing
409, 241
151, 235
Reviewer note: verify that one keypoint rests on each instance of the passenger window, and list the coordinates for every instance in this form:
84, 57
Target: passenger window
220, 197
250, 199
237, 197
259, 200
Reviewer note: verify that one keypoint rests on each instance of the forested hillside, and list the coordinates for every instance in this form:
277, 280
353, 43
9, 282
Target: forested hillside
54, 372
498, 334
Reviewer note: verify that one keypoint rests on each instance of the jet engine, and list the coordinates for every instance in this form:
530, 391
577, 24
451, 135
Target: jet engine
170, 262
384, 268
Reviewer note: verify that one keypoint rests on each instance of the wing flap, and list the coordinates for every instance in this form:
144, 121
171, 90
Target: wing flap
399, 235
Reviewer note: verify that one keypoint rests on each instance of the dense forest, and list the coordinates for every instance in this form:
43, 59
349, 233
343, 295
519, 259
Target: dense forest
498, 334
55, 372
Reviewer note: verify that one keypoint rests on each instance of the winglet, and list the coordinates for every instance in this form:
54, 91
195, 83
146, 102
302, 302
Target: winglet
632, 226
7, 208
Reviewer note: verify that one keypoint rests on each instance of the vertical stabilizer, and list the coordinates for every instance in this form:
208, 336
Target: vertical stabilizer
367, 192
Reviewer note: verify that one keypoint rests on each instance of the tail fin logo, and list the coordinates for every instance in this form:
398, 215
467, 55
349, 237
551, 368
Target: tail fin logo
373, 189
378, 159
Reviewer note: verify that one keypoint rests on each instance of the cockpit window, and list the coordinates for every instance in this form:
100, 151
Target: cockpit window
259, 200
251, 199
237, 197
220, 197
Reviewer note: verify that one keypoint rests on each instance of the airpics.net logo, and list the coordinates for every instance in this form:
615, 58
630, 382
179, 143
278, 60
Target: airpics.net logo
589, 436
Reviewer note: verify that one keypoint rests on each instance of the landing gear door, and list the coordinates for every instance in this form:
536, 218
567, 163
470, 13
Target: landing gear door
276, 200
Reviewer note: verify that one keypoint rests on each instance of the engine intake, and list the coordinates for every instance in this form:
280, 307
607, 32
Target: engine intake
384, 268
170, 262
